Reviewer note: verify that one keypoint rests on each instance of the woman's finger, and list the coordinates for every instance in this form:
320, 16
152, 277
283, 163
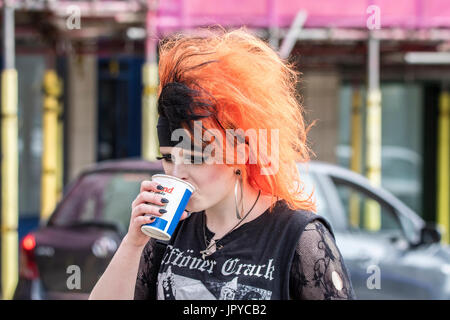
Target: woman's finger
185, 215
148, 185
150, 197
143, 209
141, 220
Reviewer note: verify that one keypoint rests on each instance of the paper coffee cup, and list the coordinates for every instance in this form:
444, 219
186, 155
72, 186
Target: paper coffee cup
178, 192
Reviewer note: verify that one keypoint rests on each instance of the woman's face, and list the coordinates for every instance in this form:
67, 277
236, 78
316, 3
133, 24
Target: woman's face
212, 182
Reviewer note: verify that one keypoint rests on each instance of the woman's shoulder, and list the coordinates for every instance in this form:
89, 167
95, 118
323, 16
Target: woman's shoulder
282, 210
300, 218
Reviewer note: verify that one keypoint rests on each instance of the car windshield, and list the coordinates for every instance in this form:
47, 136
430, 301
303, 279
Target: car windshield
103, 197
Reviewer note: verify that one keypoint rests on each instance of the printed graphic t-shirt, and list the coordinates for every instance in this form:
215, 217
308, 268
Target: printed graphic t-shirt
284, 254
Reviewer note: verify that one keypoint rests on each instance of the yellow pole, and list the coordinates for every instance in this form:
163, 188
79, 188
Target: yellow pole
355, 161
443, 190
372, 215
150, 143
10, 178
49, 184
149, 139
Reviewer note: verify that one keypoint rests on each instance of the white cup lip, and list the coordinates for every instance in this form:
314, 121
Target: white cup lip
155, 233
188, 185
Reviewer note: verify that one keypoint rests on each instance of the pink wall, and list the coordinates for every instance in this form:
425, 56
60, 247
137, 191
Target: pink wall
321, 13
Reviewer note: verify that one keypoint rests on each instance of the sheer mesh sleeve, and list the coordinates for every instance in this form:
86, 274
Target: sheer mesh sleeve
147, 273
318, 271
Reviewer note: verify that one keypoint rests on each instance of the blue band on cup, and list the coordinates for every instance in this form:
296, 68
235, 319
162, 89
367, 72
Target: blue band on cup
179, 212
158, 223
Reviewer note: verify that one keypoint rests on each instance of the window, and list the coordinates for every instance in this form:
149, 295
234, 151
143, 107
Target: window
103, 197
118, 195
366, 213
402, 133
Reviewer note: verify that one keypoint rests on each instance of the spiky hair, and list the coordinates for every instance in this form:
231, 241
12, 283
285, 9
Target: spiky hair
233, 79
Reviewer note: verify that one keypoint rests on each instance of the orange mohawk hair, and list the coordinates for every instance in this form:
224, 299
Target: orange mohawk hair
235, 80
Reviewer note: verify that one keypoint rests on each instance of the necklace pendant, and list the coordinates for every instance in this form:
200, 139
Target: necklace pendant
209, 250
205, 253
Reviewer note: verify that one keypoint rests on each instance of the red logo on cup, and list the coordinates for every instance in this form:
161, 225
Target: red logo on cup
168, 190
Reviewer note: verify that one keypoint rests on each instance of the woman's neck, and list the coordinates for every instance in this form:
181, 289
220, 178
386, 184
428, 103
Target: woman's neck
222, 217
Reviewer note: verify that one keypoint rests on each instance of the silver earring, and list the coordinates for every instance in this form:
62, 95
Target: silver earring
239, 180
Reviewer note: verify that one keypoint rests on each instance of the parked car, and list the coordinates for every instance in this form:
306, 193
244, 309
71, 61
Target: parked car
380, 237
392, 255
83, 232
401, 172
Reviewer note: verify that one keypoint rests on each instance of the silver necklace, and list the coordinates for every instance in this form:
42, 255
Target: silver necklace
208, 251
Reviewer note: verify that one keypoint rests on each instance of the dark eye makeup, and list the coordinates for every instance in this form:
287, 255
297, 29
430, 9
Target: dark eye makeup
194, 159
167, 157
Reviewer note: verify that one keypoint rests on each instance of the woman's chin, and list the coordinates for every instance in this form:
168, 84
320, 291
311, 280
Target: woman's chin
192, 207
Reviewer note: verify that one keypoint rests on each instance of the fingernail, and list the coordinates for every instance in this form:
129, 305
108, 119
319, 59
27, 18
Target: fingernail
160, 187
164, 200
162, 210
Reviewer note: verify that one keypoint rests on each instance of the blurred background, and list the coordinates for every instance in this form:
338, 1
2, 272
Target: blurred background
79, 83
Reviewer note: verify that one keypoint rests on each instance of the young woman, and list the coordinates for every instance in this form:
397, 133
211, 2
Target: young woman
230, 123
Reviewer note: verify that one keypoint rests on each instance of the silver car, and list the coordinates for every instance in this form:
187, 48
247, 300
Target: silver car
390, 251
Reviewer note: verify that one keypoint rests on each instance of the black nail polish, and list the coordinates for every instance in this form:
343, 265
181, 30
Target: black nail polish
164, 200
160, 187
162, 210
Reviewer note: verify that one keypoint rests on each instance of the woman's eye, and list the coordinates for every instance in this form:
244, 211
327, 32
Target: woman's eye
186, 159
166, 157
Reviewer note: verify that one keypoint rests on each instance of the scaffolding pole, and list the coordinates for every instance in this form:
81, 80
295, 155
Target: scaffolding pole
356, 153
51, 145
149, 138
443, 178
9, 159
373, 133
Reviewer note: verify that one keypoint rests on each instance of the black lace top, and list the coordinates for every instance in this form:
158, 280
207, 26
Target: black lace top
317, 271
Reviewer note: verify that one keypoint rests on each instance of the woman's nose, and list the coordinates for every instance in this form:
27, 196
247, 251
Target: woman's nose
179, 171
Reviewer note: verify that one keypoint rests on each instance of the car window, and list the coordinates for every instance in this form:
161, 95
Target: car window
103, 197
366, 213
118, 195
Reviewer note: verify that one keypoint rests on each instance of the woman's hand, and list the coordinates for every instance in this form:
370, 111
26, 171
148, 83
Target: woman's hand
144, 209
